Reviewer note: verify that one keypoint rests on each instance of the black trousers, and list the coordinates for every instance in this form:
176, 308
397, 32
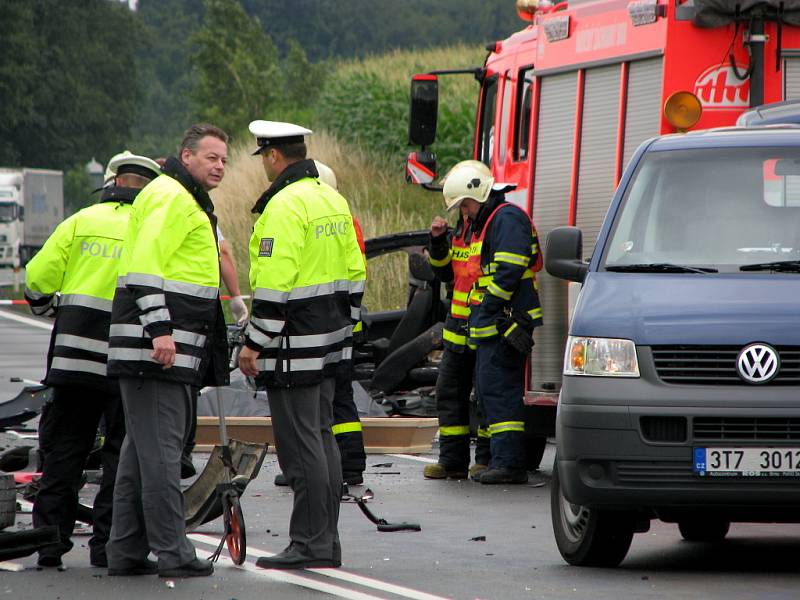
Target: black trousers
309, 457
453, 391
67, 436
346, 424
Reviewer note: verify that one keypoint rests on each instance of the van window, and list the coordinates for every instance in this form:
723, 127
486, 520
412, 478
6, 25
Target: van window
524, 101
486, 131
720, 209
508, 94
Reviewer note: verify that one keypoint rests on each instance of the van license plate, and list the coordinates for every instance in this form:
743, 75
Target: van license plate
747, 462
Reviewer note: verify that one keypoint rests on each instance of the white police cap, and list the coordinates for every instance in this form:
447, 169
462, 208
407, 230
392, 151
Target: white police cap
127, 162
274, 133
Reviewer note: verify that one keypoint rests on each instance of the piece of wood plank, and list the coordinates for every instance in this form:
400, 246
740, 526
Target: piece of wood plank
381, 435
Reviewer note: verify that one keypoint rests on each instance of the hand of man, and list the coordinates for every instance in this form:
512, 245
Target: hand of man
164, 351
239, 310
439, 226
247, 362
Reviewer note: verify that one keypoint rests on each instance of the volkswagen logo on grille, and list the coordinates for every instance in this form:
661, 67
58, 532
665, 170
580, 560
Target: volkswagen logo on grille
758, 363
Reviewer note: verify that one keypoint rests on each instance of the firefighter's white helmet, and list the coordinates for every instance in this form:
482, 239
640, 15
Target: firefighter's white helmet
326, 174
129, 162
468, 179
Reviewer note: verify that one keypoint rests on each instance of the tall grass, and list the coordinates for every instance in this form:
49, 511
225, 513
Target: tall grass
361, 132
378, 196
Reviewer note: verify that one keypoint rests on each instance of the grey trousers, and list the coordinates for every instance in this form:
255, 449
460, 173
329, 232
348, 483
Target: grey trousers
148, 502
309, 458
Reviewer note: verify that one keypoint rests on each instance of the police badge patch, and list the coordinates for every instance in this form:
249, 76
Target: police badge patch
265, 248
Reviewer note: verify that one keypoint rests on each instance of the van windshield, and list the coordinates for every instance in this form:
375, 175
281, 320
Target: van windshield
711, 209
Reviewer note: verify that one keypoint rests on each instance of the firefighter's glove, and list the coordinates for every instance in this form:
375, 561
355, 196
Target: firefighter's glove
239, 310
517, 332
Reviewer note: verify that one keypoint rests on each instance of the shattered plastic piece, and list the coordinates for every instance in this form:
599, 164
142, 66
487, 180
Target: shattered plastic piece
478, 538
170, 584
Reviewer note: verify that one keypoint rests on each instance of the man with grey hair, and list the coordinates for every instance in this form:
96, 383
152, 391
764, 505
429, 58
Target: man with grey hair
167, 335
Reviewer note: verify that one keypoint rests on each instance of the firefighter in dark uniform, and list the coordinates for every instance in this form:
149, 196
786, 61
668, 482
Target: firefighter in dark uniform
80, 261
455, 258
504, 310
307, 275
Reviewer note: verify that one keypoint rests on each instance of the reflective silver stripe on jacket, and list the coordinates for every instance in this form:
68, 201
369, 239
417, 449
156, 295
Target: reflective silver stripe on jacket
81, 343
36, 295
141, 279
143, 354
319, 340
357, 287
271, 295
75, 364
355, 313
151, 301
169, 285
191, 289
306, 364
268, 325
137, 331
162, 314
85, 301
310, 291
320, 289
257, 337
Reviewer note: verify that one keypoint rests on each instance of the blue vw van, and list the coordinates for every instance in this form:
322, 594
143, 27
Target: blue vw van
681, 388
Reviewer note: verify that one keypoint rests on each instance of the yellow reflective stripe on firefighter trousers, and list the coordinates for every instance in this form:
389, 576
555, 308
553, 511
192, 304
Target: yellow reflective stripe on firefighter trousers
505, 426
349, 427
451, 430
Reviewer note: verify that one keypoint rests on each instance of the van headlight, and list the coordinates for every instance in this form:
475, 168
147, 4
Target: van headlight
600, 357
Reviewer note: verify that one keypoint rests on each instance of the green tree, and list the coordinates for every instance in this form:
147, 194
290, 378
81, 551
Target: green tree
304, 80
69, 87
236, 67
165, 109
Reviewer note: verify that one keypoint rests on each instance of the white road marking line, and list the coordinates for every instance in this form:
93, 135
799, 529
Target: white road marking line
416, 458
26, 320
292, 578
337, 574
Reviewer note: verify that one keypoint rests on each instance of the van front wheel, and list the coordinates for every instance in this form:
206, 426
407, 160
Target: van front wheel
588, 537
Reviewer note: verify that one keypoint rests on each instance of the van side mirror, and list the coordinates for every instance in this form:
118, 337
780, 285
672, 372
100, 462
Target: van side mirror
562, 258
424, 110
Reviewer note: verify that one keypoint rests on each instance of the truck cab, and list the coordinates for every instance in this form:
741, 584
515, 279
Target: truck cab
679, 398
11, 218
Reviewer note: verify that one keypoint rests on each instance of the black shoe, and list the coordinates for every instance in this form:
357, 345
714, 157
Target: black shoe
187, 467
495, 475
98, 560
352, 477
148, 567
49, 562
280, 479
292, 558
196, 568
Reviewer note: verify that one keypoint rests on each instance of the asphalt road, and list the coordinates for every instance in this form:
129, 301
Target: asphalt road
477, 542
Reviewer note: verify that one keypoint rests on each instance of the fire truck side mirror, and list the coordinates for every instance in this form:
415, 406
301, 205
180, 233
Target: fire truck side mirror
562, 258
424, 110
421, 168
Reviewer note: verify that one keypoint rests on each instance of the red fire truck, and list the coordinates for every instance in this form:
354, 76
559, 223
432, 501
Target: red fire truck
565, 102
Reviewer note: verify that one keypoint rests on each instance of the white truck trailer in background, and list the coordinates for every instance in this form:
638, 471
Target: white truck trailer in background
31, 206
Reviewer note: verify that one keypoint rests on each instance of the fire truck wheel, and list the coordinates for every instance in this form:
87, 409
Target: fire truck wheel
588, 537
8, 500
705, 530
